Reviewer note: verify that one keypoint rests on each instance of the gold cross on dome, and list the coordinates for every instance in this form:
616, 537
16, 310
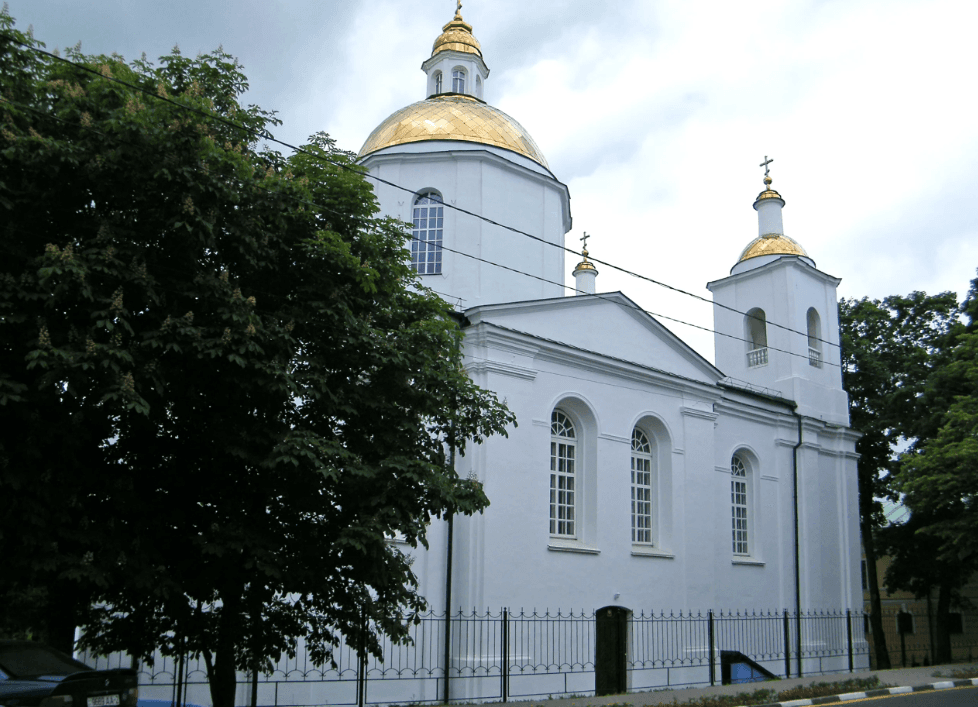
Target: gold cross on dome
765, 164
584, 239
458, 9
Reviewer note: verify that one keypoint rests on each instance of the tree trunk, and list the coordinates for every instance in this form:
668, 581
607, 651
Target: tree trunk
62, 618
942, 649
875, 605
221, 673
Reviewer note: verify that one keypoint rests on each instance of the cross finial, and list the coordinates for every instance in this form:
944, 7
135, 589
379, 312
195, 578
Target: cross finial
458, 8
765, 163
584, 240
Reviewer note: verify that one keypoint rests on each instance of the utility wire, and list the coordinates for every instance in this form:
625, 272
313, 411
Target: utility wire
325, 208
265, 135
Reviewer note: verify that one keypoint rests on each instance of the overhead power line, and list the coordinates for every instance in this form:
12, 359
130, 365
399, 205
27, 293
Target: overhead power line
323, 207
266, 135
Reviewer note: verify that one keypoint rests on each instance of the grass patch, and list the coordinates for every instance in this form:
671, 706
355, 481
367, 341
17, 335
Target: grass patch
823, 689
958, 674
763, 696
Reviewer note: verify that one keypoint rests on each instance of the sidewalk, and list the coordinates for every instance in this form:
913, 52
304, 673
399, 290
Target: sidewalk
897, 678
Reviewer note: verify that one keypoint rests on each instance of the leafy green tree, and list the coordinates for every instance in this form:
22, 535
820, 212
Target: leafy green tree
221, 386
938, 474
889, 349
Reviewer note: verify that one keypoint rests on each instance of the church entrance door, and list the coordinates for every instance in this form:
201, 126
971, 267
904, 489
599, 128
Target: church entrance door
610, 650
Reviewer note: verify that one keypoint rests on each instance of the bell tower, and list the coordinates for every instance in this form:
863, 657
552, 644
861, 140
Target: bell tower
777, 318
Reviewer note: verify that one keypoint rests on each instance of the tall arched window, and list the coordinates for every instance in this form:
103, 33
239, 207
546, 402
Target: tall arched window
438, 79
563, 471
429, 218
642, 480
814, 339
755, 324
740, 506
478, 86
458, 81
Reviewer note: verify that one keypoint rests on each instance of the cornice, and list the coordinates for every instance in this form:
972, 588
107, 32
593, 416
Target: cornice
500, 368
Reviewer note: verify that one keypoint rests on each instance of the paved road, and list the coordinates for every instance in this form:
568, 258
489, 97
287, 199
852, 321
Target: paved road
955, 697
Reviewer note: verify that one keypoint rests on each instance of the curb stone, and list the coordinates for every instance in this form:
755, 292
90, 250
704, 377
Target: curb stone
943, 685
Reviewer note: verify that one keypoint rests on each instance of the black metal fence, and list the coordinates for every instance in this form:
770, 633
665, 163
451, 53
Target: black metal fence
524, 654
911, 635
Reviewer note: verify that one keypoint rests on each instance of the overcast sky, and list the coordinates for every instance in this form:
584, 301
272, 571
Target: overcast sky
655, 114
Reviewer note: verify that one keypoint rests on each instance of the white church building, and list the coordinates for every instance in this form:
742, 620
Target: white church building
650, 512
640, 477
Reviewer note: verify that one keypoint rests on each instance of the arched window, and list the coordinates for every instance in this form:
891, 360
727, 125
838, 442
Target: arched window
642, 479
458, 81
429, 218
755, 324
478, 86
563, 472
438, 82
740, 506
814, 339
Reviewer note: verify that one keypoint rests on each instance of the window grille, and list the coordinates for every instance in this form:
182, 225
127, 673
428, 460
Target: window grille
641, 487
429, 220
563, 492
458, 81
739, 508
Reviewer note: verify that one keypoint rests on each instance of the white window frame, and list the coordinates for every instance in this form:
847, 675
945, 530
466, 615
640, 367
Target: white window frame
642, 488
438, 81
427, 233
740, 507
458, 80
564, 476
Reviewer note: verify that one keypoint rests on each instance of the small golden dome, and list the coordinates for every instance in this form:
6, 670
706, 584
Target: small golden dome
584, 265
453, 117
772, 244
768, 193
457, 36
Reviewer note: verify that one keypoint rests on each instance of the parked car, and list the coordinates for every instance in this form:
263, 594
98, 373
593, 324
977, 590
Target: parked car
35, 675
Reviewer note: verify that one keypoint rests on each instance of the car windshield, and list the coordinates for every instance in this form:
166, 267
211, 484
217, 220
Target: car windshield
24, 660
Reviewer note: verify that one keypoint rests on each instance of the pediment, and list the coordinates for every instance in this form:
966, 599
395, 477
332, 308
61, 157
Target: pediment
605, 324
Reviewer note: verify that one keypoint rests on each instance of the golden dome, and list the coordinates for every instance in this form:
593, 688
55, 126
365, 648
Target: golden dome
453, 117
457, 36
768, 193
772, 244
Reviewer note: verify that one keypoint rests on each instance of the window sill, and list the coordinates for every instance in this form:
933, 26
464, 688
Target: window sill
747, 561
647, 551
556, 545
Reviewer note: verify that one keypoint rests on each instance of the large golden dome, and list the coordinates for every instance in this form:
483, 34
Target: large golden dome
453, 117
771, 244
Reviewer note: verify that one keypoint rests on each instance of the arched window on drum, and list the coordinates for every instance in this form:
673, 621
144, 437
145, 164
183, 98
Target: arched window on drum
427, 233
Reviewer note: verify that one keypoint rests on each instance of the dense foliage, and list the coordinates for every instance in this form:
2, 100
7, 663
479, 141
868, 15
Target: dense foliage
221, 386
890, 348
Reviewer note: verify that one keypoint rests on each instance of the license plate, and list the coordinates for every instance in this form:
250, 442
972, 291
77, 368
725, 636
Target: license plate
103, 701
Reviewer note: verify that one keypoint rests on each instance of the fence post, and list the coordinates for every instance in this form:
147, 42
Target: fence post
710, 633
505, 670
787, 646
849, 630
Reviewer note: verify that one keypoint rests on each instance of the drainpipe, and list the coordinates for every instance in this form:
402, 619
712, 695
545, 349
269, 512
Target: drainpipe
448, 605
448, 564
794, 469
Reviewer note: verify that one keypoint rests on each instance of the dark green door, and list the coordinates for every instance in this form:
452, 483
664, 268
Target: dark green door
610, 642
